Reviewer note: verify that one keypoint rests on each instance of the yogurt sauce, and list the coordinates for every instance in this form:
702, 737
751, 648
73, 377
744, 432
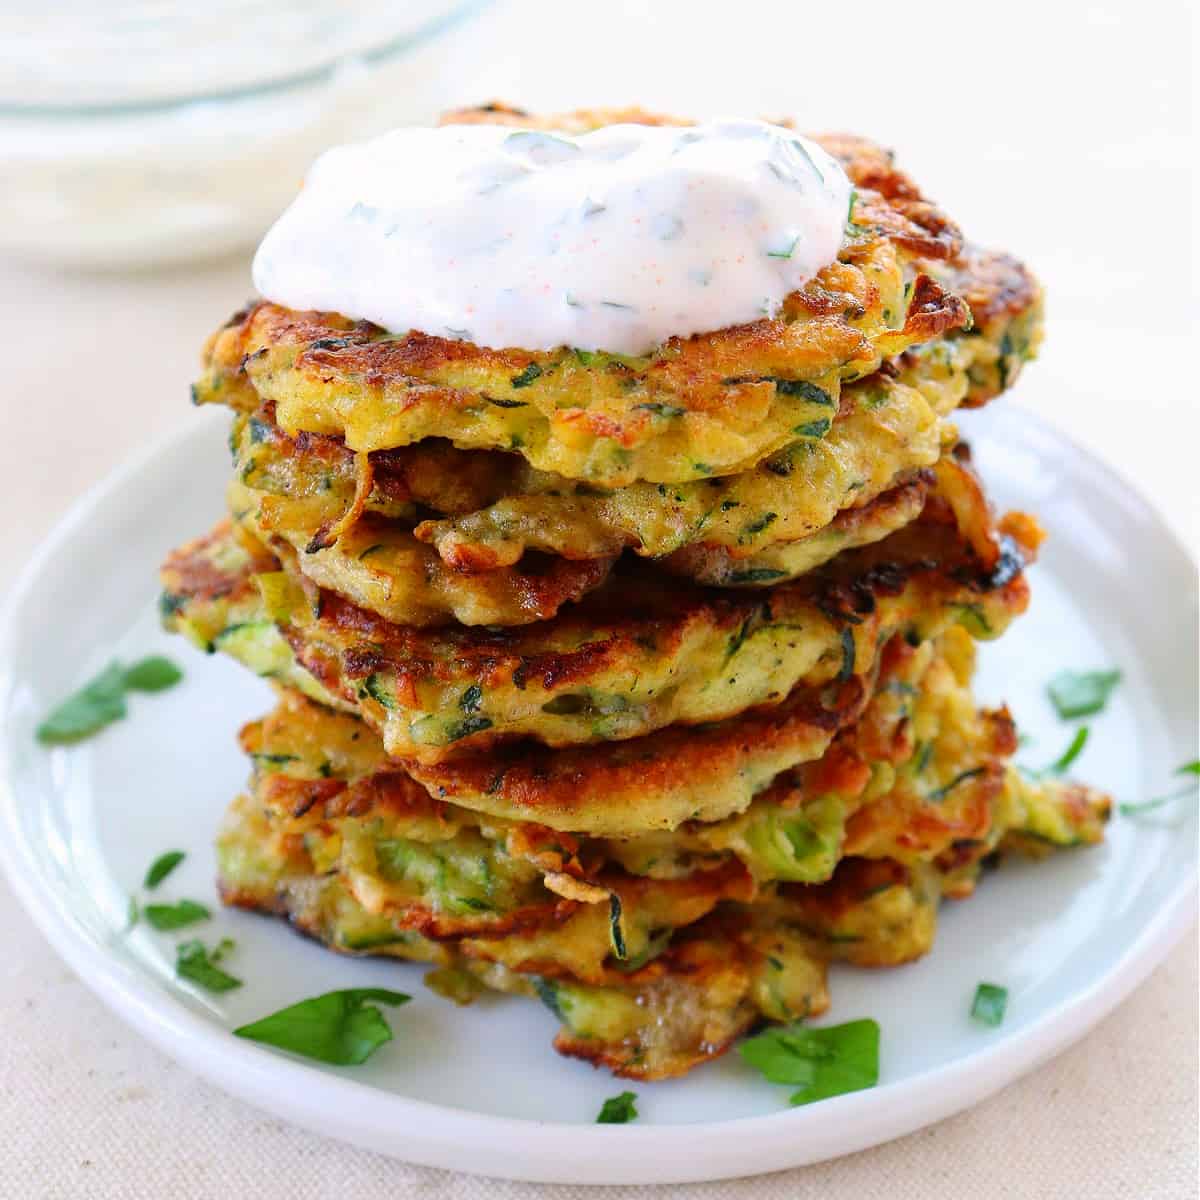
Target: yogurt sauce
613, 240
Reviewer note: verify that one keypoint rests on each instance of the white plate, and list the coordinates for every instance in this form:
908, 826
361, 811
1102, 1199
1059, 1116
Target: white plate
479, 1089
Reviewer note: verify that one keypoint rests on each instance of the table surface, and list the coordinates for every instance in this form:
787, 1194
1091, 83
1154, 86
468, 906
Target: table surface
1086, 178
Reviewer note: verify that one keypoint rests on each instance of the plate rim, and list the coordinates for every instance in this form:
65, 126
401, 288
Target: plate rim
520, 1148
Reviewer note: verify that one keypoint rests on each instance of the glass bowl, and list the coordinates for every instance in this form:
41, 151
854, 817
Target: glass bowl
142, 133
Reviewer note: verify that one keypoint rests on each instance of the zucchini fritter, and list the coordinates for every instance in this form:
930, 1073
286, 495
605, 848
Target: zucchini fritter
307, 486
650, 985
708, 405
638, 654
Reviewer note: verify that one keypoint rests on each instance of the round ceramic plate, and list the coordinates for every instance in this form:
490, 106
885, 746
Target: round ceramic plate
480, 1089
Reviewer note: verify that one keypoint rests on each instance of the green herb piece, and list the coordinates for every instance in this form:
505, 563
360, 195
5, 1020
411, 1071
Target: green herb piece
1070, 754
375, 687
813, 429
1081, 693
785, 253
161, 867
548, 993
133, 914
756, 575
942, 792
758, 526
822, 1062
153, 674
804, 389
499, 402
849, 654
662, 410
527, 376
618, 1110
195, 962
616, 933
175, 916
586, 357
98, 703
101, 700
1132, 810
466, 727
989, 1004
343, 1028
470, 700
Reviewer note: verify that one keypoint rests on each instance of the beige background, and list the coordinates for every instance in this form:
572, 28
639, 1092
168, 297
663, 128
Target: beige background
1028, 125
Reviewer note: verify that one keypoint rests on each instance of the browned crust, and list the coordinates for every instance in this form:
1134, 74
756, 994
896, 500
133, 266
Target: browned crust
995, 285
553, 785
189, 571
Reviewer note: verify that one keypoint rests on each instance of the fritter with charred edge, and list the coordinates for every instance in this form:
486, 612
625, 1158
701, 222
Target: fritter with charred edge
379, 565
311, 494
496, 506
918, 774
638, 654
708, 405
692, 989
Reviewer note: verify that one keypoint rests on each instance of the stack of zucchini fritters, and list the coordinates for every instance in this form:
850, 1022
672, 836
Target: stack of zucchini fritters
641, 685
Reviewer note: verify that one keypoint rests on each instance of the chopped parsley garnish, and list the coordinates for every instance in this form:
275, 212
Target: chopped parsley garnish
814, 429
618, 1110
820, 1062
848, 655
1133, 810
962, 777
785, 253
343, 1028
195, 962
1070, 754
616, 932
466, 727
804, 389
153, 674
1081, 693
527, 376
101, 700
756, 575
175, 916
989, 1004
162, 866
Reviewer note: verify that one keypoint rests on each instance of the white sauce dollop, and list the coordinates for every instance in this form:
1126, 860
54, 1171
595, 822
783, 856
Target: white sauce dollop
614, 240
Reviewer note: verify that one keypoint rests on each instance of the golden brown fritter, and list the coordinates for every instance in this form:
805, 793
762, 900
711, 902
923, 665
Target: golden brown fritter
637, 654
708, 405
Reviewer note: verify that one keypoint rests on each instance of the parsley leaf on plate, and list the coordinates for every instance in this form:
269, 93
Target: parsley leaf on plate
1188, 768
618, 1110
101, 700
175, 916
153, 674
1070, 754
342, 1028
195, 962
1081, 693
162, 866
822, 1062
989, 1004
98, 703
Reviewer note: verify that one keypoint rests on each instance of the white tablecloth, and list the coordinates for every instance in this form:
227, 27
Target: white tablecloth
1058, 130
